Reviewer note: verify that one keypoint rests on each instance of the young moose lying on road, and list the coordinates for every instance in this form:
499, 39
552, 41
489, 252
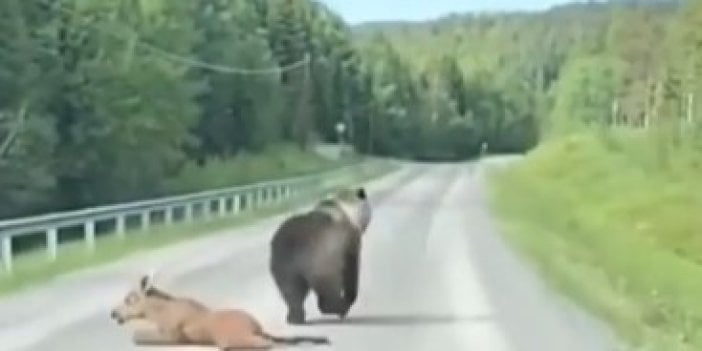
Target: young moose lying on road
183, 321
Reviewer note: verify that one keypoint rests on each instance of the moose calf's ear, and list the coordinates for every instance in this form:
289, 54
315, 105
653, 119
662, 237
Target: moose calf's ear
145, 283
361, 193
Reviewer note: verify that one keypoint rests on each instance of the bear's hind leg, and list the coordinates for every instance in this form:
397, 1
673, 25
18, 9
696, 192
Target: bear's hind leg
330, 297
294, 289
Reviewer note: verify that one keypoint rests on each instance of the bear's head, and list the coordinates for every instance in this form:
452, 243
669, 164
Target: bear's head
354, 204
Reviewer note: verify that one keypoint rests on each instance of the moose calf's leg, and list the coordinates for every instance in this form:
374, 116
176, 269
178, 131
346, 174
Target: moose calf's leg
152, 337
250, 342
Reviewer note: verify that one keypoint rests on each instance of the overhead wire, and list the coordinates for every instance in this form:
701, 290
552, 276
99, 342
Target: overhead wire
219, 67
190, 61
165, 54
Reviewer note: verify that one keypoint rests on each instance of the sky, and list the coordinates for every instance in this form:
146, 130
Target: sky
356, 11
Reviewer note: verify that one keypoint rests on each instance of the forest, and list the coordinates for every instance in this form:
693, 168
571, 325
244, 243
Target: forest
109, 101
514, 79
122, 100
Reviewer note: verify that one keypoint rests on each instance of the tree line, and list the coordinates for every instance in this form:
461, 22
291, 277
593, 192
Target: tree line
513, 79
107, 101
104, 101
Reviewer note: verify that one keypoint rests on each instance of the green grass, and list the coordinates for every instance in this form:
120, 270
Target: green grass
33, 268
615, 224
279, 161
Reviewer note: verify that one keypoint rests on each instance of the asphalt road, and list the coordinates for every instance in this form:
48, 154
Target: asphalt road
435, 275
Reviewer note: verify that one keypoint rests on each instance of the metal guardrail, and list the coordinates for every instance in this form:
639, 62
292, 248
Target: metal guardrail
229, 201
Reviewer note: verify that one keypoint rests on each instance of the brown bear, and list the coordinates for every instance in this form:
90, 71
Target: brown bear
320, 250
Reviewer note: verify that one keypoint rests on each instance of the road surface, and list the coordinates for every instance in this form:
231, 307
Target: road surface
435, 275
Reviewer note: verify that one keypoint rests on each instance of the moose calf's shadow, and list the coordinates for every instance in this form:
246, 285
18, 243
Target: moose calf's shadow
399, 320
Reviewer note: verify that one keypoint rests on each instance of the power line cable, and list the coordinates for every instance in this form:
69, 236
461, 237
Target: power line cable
192, 61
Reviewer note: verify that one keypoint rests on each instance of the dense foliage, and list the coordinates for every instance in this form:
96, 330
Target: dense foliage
512, 79
106, 101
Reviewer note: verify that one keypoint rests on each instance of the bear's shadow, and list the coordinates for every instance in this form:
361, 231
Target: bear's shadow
399, 320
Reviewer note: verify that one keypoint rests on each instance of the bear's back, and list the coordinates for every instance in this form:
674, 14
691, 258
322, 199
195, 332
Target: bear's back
305, 240
301, 229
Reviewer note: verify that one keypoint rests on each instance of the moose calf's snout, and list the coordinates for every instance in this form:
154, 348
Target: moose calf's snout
114, 315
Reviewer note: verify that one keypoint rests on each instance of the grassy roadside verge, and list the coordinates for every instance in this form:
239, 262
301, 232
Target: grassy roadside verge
33, 268
279, 161
616, 230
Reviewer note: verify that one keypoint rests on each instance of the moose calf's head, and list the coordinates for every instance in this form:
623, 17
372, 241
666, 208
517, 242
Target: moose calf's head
136, 303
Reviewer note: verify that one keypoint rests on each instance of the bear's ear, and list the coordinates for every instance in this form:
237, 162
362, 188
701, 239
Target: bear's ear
361, 193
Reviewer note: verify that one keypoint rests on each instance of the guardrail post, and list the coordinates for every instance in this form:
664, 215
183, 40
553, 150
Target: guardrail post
52, 243
250, 199
222, 206
145, 220
236, 204
168, 215
121, 226
90, 235
6, 244
206, 207
188, 212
